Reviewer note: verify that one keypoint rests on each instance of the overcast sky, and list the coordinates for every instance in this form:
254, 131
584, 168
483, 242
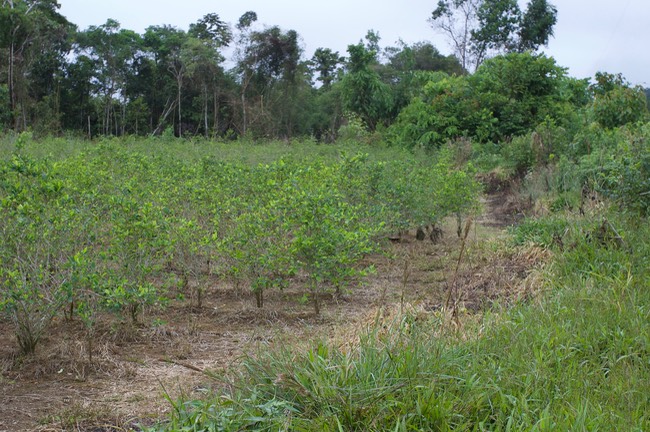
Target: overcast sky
590, 36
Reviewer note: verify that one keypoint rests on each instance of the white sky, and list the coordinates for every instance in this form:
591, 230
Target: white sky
590, 36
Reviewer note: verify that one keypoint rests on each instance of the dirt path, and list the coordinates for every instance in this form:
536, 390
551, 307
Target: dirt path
135, 368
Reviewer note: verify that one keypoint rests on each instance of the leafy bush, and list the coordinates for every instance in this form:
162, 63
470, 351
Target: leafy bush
446, 109
507, 96
621, 170
41, 234
354, 130
521, 91
112, 227
616, 103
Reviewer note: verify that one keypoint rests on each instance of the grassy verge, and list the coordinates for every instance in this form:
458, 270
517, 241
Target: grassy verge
578, 358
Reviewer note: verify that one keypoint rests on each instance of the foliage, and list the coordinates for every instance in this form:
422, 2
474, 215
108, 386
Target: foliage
619, 167
34, 40
521, 91
325, 62
477, 29
616, 103
508, 96
422, 56
119, 82
445, 110
122, 227
536, 26
42, 233
362, 89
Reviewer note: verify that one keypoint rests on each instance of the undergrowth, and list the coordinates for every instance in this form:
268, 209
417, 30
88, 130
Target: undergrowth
576, 358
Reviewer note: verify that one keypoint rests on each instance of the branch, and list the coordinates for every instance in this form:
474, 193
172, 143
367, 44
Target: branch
188, 366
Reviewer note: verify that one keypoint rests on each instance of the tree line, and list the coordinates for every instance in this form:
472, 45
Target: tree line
226, 80
108, 80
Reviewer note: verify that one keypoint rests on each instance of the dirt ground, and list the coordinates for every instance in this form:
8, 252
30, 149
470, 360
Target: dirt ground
135, 369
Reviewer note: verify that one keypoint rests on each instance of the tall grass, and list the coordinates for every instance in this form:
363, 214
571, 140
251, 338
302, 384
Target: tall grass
576, 359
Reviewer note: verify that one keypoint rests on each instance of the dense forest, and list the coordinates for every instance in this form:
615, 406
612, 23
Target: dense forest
227, 80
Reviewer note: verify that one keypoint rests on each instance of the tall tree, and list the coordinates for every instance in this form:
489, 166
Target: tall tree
166, 45
211, 30
113, 51
364, 93
203, 66
404, 69
244, 60
325, 62
498, 21
456, 19
208, 36
34, 41
422, 56
76, 98
536, 26
273, 58
478, 29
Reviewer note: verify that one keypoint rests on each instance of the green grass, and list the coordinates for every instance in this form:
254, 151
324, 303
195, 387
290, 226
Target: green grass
576, 359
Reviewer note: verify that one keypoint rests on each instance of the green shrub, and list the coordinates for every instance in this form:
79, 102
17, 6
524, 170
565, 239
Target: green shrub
616, 103
621, 170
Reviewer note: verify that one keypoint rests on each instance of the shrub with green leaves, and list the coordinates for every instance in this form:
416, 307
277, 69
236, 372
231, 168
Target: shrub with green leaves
113, 225
446, 109
621, 169
329, 239
40, 237
257, 247
616, 103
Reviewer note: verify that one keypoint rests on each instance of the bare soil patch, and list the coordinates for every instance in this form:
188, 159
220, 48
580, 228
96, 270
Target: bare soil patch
135, 368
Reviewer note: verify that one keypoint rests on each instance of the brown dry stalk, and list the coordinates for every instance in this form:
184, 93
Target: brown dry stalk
185, 365
452, 285
405, 277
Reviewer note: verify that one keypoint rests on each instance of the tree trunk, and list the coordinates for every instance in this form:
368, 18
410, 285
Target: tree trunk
259, 297
243, 106
316, 304
205, 111
169, 107
215, 122
12, 89
179, 80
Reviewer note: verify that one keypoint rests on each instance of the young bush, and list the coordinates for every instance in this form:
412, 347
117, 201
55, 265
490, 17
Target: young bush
616, 103
39, 238
621, 171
